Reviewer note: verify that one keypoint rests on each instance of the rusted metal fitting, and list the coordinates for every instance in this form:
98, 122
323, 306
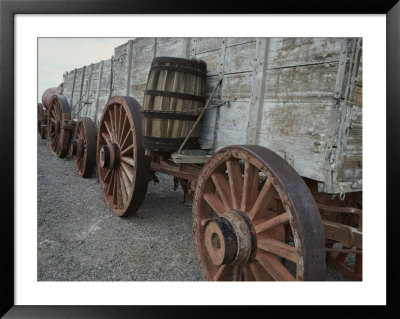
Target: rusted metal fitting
109, 156
241, 225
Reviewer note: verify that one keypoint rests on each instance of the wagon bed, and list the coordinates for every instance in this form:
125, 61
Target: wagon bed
300, 97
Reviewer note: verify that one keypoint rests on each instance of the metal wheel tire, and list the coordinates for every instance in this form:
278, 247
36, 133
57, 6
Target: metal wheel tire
83, 147
256, 220
41, 120
58, 137
123, 168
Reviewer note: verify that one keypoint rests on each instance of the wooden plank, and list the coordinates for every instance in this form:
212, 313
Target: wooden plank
286, 52
240, 58
172, 47
137, 91
258, 91
79, 106
141, 63
341, 69
194, 159
129, 68
207, 44
186, 48
225, 137
143, 42
237, 86
235, 41
298, 133
301, 84
234, 117
73, 89
98, 93
213, 59
357, 95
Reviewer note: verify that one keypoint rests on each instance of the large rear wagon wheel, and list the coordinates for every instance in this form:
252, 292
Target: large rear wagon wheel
58, 137
255, 219
83, 147
123, 168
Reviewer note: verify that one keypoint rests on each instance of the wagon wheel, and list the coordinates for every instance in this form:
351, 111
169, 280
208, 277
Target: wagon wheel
83, 147
123, 168
255, 219
41, 120
58, 136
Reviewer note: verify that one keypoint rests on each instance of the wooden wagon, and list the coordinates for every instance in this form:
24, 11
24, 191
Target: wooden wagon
274, 168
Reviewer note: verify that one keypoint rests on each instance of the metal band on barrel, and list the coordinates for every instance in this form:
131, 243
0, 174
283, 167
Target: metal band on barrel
177, 69
193, 63
171, 115
175, 95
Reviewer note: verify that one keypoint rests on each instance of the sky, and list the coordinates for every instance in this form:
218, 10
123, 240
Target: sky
58, 55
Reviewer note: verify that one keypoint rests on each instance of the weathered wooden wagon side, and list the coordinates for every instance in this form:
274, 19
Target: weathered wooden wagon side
300, 97
281, 101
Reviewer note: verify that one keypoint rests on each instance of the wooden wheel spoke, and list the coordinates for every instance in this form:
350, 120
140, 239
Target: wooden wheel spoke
116, 119
248, 274
223, 272
223, 189
235, 182
264, 198
109, 130
125, 150
120, 123
272, 223
126, 182
106, 137
273, 266
250, 187
128, 160
112, 121
125, 139
260, 274
122, 129
128, 170
111, 184
124, 190
278, 248
238, 273
107, 176
115, 189
120, 201
215, 203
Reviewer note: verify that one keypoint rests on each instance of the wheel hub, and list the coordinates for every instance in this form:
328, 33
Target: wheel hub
55, 126
76, 148
229, 239
109, 156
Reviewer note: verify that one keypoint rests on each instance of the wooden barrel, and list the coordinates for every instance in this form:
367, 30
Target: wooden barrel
174, 97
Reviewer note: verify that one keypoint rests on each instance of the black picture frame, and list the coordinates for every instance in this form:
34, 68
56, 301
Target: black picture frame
8, 8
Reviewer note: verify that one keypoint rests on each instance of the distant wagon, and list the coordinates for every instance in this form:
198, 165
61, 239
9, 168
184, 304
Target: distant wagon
274, 166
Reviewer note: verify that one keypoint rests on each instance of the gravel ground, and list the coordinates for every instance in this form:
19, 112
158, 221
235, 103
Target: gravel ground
79, 239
